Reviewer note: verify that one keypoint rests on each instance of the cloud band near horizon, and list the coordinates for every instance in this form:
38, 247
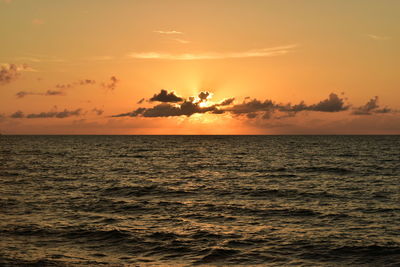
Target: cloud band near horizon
172, 105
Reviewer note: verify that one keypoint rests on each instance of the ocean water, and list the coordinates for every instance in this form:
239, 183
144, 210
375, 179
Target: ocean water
200, 200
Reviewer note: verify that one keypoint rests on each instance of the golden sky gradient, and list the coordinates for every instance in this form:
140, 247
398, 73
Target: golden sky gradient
73, 67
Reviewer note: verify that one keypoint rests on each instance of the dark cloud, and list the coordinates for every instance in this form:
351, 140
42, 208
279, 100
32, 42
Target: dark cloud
112, 84
64, 86
98, 111
166, 97
17, 115
267, 108
134, 113
187, 108
22, 94
141, 101
53, 92
51, 114
370, 108
226, 102
251, 115
250, 108
204, 95
55, 114
10, 72
87, 81
71, 85
332, 104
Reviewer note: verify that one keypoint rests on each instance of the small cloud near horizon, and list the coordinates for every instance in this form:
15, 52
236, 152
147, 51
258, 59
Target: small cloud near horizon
168, 32
181, 41
378, 37
50, 114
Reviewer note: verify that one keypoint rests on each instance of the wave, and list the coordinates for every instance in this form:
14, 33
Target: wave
218, 254
318, 170
139, 191
69, 233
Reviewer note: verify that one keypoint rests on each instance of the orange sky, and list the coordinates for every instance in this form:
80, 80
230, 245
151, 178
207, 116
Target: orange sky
73, 67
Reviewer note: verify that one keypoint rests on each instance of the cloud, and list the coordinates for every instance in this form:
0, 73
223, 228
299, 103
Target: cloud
169, 109
226, 102
71, 85
182, 41
252, 106
141, 101
173, 105
164, 96
87, 81
17, 115
98, 111
332, 104
168, 32
264, 52
378, 37
370, 108
111, 85
53, 93
39, 58
10, 72
22, 94
186, 108
32, 59
64, 86
50, 114
204, 95
55, 114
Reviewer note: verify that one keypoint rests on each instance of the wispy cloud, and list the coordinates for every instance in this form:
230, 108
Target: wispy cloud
168, 32
264, 52
50, 114
378, 37
22, 94
73, 84
101, 58
181, 41
38, 58
31, 59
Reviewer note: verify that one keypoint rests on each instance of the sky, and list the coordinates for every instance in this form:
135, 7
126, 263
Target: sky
200, 67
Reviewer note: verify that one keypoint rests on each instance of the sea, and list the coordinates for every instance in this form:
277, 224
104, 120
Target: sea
199, 200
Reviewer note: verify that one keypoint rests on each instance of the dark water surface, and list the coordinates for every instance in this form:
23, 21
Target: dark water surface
200, 200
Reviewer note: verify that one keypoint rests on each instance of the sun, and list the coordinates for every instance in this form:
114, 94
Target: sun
204, 104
